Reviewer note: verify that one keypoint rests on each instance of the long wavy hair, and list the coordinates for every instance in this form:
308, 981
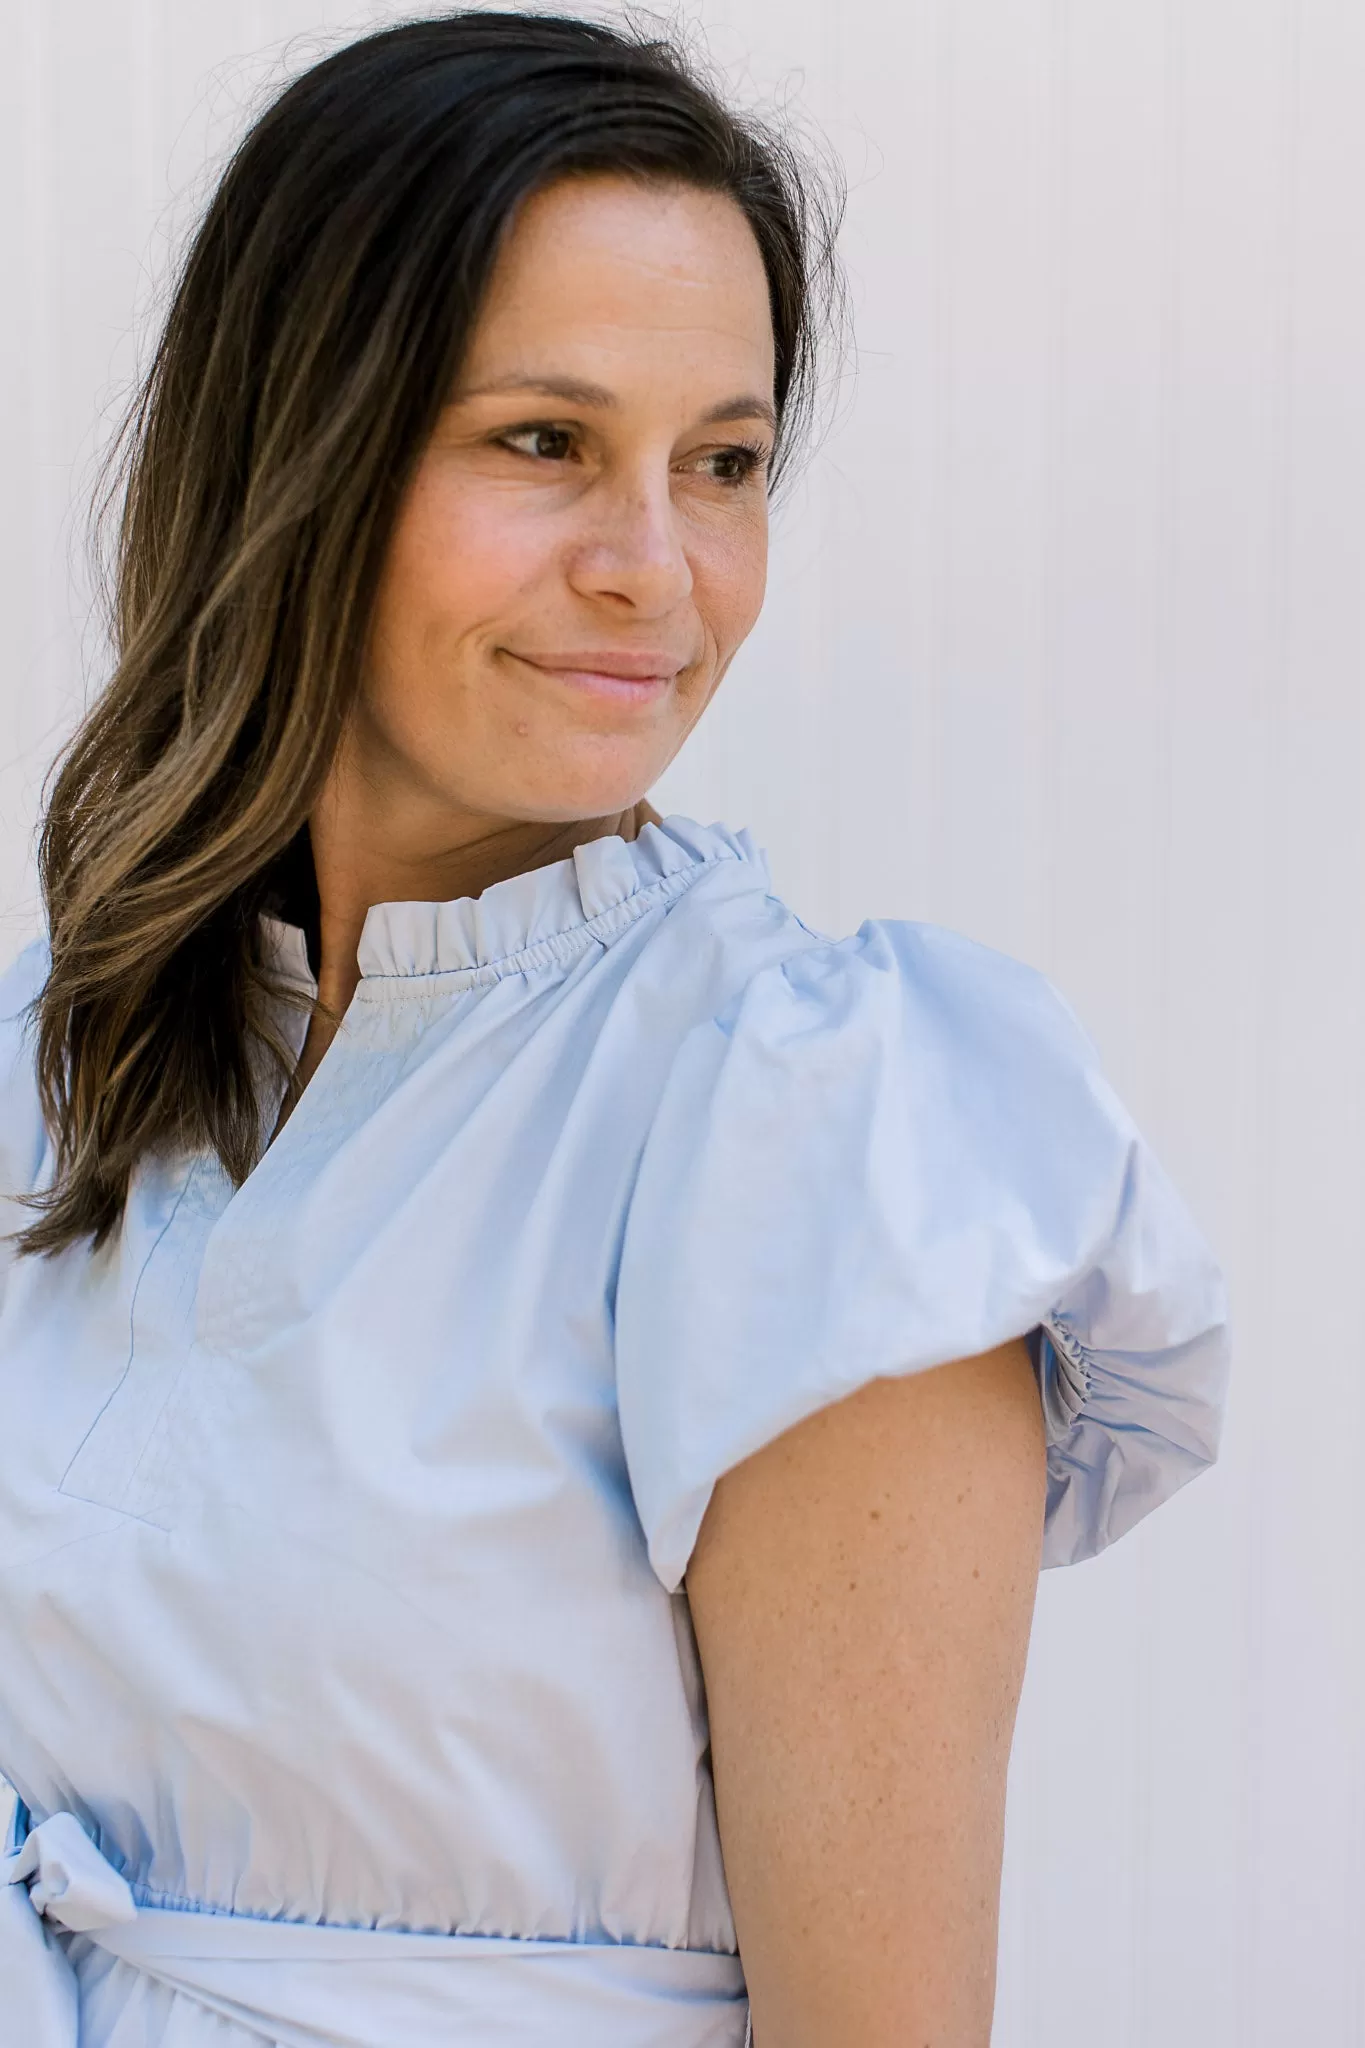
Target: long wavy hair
316, 329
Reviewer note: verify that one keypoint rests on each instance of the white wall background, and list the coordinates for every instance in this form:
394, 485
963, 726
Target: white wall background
1064, 648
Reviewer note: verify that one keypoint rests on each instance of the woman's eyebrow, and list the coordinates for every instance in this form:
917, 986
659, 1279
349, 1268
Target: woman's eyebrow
574, 391
571, 389
745, 407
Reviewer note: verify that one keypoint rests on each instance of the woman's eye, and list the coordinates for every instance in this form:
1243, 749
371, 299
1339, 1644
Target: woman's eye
735, 465
547, 444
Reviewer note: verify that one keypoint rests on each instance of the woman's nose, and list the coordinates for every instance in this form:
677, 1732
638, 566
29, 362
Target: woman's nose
634, 550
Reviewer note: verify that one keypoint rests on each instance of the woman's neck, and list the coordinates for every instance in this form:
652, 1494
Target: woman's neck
361, 858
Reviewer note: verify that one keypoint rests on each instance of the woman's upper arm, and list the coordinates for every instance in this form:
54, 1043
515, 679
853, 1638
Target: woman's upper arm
862, 1590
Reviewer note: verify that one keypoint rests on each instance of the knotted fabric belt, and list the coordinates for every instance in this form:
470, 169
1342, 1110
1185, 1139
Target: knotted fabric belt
340, 1987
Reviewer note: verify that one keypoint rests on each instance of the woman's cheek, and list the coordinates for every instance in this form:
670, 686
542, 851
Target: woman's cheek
730, 578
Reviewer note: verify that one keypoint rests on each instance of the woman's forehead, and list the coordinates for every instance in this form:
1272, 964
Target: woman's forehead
610, 271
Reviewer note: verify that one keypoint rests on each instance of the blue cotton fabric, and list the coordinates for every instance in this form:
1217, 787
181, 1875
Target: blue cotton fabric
344, 1515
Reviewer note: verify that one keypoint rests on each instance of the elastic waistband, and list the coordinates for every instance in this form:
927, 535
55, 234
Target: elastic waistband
340, 1987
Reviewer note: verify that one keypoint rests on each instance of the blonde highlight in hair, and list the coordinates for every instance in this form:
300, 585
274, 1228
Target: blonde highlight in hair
314, 335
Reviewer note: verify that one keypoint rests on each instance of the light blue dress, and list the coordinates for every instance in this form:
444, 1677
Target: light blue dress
346, 1680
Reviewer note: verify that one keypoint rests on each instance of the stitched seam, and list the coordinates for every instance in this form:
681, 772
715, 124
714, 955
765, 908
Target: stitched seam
122, 1379
171, 1902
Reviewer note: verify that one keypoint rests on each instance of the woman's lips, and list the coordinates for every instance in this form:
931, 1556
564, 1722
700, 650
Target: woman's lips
623, 678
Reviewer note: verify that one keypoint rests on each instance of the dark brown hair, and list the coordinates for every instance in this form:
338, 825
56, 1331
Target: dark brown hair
320, 318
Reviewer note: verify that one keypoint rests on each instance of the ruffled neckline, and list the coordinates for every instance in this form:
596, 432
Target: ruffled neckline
599, 879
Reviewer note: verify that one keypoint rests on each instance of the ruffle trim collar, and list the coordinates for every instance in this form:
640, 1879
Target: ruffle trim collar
544, 905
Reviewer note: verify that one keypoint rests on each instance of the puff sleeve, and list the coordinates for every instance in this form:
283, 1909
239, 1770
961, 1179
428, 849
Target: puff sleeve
887, 1153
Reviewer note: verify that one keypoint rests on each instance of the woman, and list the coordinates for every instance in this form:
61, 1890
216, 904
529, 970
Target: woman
481, 1266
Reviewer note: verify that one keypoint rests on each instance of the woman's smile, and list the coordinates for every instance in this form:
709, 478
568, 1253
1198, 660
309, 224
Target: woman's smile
619, 676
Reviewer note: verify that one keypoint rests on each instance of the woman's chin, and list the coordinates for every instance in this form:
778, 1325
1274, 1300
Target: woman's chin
604, 780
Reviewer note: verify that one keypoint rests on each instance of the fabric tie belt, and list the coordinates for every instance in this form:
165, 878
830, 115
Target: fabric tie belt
340, 1987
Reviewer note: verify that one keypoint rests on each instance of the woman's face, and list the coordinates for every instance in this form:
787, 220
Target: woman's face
584, 543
